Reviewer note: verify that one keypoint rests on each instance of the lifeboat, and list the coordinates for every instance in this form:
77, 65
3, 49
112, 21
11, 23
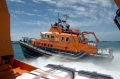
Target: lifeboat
11, 68
62, 41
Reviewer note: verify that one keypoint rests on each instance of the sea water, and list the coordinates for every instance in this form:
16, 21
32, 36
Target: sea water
88, 63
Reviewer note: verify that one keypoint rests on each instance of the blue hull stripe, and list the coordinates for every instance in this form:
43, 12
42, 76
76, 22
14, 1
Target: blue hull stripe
34, 53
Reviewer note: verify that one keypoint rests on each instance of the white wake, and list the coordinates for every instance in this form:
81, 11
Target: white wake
88, 63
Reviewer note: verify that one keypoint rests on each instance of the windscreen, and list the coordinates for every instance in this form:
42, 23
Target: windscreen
118, 19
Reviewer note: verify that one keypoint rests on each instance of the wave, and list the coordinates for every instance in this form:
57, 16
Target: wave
88, 63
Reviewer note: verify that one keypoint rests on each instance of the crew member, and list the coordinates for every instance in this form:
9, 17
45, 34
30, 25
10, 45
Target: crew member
56, 24
67, 27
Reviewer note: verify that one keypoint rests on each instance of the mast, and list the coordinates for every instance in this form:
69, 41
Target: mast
58, 18
66, 16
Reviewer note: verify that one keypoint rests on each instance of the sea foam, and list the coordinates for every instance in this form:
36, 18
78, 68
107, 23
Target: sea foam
88, 63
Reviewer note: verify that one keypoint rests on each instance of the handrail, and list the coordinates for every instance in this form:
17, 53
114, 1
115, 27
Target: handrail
86, 32
73, 40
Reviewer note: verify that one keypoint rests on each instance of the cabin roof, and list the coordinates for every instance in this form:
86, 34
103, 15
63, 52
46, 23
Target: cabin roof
64, 34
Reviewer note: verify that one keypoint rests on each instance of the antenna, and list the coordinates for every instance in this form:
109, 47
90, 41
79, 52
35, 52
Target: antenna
66, 15
58, 18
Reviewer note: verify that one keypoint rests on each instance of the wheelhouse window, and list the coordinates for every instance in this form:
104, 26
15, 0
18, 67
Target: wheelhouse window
62, 39
43, 35
52, 37
47, 36
79, 38
118, 19
67, 39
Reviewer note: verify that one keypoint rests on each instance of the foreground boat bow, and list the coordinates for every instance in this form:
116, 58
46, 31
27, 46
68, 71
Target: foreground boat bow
52, 71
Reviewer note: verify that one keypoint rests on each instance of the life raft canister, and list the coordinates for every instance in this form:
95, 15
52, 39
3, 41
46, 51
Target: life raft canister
84, 40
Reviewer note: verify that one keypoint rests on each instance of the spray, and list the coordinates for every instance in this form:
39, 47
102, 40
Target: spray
88, 63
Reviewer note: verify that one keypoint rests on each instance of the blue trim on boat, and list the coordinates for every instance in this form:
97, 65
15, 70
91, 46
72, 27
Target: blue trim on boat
30, 52
56, 51
34, 53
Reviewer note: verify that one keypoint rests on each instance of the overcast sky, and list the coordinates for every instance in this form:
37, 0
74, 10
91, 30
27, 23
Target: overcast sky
30, 17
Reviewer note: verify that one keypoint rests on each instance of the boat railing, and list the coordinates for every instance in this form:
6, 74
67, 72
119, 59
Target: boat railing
85, 48
93, 43
27, 39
